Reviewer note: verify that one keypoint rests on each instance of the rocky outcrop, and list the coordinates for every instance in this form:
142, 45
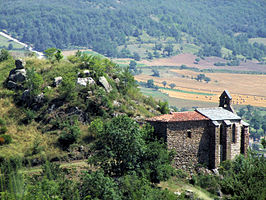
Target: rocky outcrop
105, 84
85, 81
17, 75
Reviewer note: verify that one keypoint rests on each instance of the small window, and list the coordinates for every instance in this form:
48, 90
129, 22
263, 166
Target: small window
189, 133
234, 133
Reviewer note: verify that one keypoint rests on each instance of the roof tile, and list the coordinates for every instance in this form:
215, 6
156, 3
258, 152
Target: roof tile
179, 117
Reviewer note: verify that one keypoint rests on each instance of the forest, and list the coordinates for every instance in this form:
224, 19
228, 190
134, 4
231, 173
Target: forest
106, 26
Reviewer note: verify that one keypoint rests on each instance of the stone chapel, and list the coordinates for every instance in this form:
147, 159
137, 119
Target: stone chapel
204, 136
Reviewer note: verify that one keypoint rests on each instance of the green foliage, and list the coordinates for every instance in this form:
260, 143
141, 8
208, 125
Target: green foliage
105, 30
172, 85
124, 147
163, 107
244, 178
58, 55
50, 53
5, 139
4, 55
34, 83
96, 185
69, 135
67, 88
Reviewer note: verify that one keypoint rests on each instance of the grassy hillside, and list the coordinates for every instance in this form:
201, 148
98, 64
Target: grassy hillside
36, 128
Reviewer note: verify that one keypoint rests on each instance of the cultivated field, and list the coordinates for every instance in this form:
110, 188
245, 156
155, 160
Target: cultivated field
188, 59
246, 89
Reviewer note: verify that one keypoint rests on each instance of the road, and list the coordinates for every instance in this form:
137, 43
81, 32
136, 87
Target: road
40, 55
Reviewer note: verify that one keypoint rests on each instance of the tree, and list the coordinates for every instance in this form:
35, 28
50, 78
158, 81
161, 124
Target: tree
34, 83
172, 85
4, 55
207, 79
164, 83
150, 83
156, 73
119, 147
263, 142
136, 56
133, 66
163, 107
96, 185
149, 55
200, 77
124, 147
169, 49
58, 55
10, 46
50, 53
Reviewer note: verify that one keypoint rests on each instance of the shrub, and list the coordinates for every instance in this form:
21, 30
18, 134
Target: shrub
3, 130
5, 139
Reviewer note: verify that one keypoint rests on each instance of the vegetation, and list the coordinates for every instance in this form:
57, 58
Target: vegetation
111, 27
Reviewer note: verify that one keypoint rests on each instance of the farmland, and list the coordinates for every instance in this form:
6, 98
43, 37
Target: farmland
246, 89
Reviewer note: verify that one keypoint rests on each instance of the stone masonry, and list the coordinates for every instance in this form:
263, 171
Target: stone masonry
206, 136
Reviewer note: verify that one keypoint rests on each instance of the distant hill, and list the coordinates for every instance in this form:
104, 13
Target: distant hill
161, 28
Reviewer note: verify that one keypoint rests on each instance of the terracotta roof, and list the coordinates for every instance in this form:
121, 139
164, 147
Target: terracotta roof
179, 117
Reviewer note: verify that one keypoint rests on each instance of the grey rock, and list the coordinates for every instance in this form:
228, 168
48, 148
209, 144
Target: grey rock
116, 103
105, 84
20, 64
39, 98
25, 95
215, 171
117, 81
86, 72
18, 75
85, 81
11, 85
57, 81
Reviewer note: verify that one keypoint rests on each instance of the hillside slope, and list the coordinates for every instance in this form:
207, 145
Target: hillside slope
46, 106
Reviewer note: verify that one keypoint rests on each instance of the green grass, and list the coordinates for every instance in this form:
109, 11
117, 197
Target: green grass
176, 185
187, 92
5, 42
93, 53
258, 40
179, 103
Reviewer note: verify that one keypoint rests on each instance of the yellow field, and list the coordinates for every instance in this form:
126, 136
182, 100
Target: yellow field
245, 89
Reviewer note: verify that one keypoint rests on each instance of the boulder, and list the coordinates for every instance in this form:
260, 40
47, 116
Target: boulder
86, 72
25, 95
85, 81
57, 81
39, 98
20, 64
117, 81
11, 85
116, 103
18, 75
105, 84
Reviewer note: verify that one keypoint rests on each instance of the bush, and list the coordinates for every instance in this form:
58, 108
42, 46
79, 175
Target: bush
5, 139
69, 135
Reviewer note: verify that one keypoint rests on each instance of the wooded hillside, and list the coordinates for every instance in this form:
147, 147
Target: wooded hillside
105, 25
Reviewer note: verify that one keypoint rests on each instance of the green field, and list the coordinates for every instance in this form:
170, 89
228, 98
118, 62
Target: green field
4, 42
258, 40
179, 103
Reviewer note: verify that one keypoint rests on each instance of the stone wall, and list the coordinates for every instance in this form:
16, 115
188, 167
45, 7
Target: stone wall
235, 147
190, 140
